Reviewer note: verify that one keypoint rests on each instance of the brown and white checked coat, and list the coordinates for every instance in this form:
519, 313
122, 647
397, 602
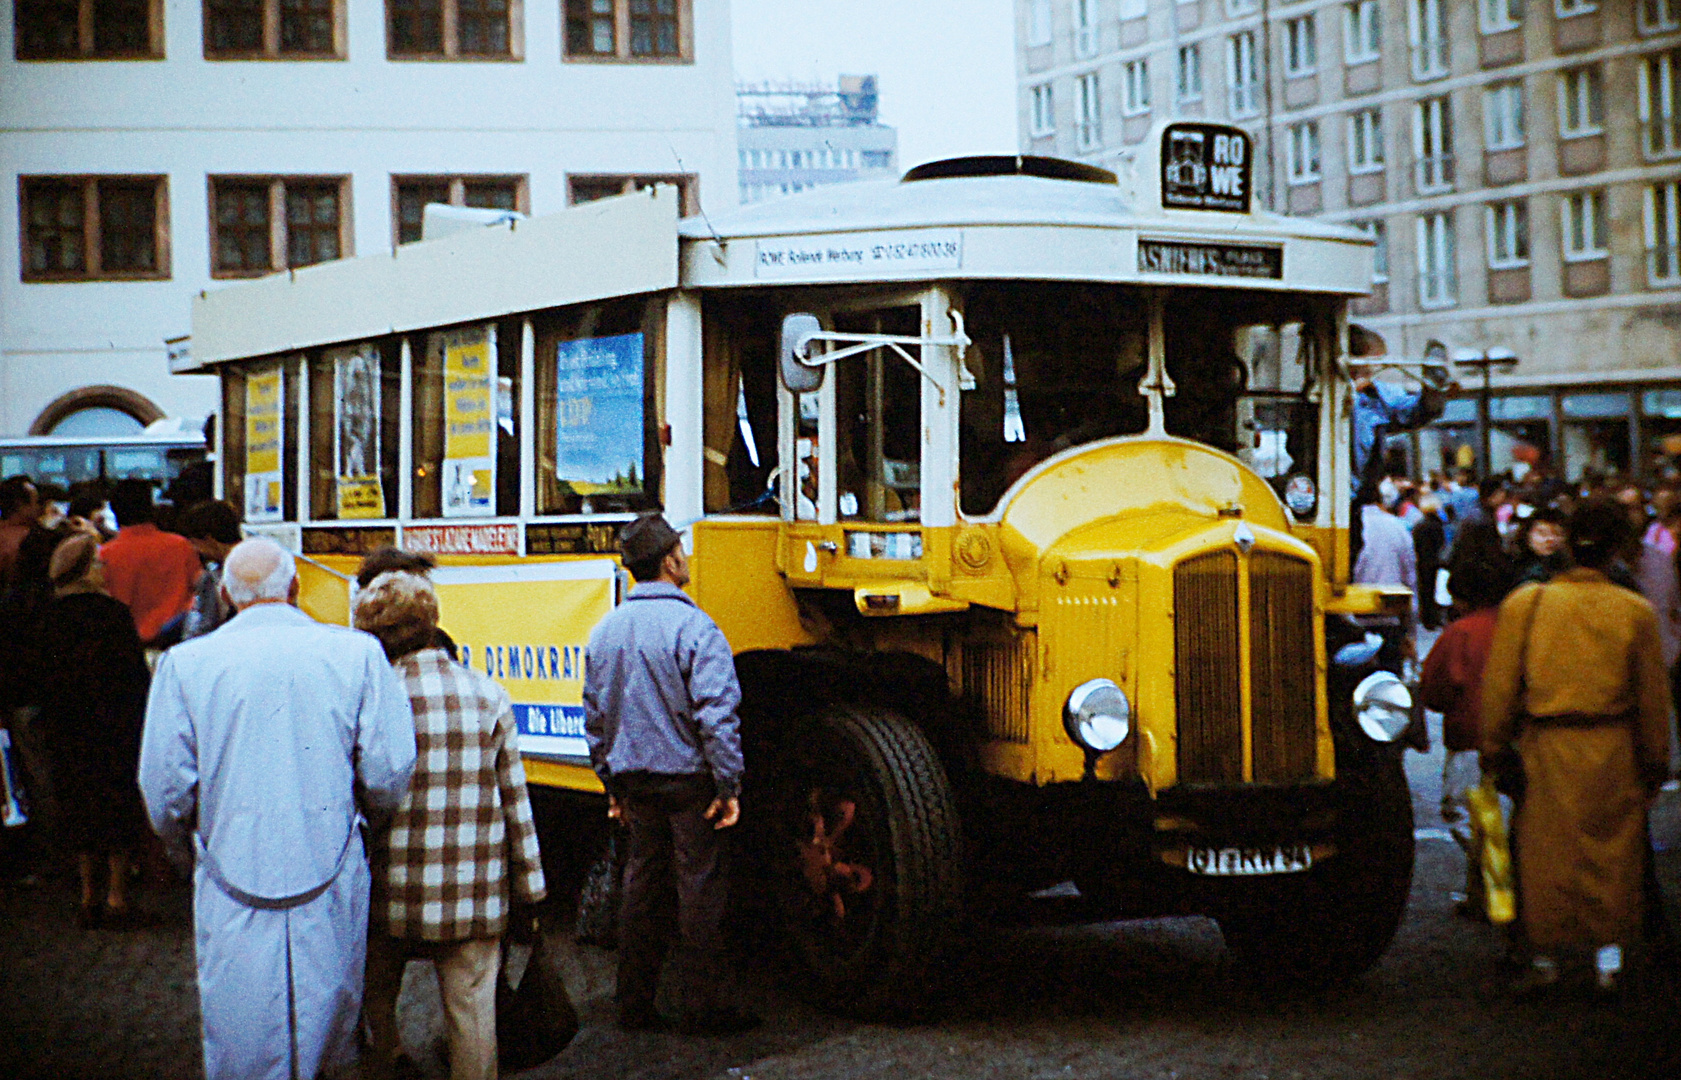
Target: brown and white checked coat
463, 833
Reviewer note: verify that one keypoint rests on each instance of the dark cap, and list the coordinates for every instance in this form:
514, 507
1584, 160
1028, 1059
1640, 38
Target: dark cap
646, 539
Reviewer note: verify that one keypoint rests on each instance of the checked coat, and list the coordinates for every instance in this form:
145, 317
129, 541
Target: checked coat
463, 834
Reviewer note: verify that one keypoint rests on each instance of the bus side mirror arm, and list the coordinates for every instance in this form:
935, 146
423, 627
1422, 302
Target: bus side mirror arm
802, 372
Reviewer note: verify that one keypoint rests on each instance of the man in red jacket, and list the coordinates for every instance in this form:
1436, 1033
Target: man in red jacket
150, 570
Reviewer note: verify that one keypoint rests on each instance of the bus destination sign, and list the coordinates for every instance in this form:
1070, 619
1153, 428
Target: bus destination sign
1212, 260
1205, 167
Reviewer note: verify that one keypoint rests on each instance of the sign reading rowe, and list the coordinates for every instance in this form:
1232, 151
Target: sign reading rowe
1206, 167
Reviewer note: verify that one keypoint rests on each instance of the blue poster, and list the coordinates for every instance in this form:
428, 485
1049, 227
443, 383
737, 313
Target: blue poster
598, 414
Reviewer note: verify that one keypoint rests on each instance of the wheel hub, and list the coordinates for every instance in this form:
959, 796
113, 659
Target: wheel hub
828, 875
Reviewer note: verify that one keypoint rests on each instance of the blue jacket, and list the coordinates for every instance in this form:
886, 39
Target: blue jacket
660, 691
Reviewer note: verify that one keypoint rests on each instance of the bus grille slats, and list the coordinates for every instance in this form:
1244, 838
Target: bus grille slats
998, 675
1282, 737
1206, 673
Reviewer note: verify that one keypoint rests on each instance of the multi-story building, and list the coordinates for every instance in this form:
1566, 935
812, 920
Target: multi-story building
795, 136
1519, 164
153, 148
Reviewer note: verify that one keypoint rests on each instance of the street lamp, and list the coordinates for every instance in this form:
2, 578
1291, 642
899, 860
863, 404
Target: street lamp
1486, 360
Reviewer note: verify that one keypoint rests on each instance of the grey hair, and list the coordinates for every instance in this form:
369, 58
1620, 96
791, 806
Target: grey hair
256, 570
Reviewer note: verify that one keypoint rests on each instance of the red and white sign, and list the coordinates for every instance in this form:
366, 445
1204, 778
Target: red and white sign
462, 539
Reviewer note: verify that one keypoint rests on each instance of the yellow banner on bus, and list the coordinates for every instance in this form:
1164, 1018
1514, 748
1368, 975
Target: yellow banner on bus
262, 445
469, 479
526, 626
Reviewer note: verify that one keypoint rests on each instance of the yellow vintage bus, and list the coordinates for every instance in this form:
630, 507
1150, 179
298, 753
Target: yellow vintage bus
1020, 489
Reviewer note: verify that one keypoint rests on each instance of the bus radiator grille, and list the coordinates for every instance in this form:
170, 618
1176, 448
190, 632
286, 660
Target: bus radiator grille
1283, 741
1206, 679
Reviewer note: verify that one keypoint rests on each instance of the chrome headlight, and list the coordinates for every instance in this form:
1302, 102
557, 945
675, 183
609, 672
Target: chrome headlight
1301, 496
1098, 715
1383, 705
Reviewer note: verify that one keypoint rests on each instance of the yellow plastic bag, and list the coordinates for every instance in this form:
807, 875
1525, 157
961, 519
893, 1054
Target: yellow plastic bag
1488, 834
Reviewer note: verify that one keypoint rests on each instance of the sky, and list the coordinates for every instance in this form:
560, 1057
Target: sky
946, 67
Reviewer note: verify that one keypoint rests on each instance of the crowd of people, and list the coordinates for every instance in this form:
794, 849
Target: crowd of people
1557, 676
346, 800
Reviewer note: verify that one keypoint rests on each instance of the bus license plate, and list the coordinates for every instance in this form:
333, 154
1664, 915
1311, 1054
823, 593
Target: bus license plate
1247, 862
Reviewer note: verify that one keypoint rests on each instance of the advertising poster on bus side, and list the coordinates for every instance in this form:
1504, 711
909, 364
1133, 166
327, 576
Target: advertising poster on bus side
469, 477
356, 431
599, 414
262, 445
526, 626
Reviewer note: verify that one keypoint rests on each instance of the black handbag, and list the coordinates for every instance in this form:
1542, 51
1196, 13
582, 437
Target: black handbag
598, 900
535, 1019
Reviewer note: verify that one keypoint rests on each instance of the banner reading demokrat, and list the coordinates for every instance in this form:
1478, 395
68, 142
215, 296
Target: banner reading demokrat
469, 479
356, 431
262, 445
526, 626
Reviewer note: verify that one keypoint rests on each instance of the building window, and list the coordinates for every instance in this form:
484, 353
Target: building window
583, 188
1498, 15
91, 228
1088, 109
452, 29
1380, 248
1365, 141
1188, 74
1134, 9
261, 224
629, 29
1039, 23
1433, 144
1657, 16
1566, 8
1503, 116
1438, 284
1581, 104
1663, 234
87, 29
875, 159
1428, 22
1508, 235
1301, 47
1583, 222
1242, 7
1304, 153
1043, 119
410, 194
1085, 28
1243, 75
1135, 89
1362, 32
1660, 104
295, 29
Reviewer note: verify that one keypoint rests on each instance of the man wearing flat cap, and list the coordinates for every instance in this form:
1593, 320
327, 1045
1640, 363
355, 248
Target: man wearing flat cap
660, 695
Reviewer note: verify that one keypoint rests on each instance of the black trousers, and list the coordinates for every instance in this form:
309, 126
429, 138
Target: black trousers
676, 892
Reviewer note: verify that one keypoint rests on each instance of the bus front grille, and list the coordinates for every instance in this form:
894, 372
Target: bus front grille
1283, 740
1206, 674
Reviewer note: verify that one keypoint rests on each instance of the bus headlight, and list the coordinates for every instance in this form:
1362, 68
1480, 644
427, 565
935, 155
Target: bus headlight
1098, 715
1383, 705
1301, 496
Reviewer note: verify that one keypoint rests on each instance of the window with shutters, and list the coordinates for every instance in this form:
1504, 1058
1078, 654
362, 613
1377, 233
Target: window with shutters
1039, 23
1135, 88
1303, 155
1362, 32
1581, 102
1188, 73
1659, 16
1043, 115
1428, 22
1503, 116
1088, 112
1499, 15
260, 224
1582, 220
1380, 248
1433, 145
1301, 47
1663, 234
1438, 282
1243, 76
1365, 141
87, 29
1660, 104
94, 228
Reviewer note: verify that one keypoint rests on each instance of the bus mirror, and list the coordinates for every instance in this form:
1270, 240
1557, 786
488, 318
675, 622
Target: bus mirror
797, 375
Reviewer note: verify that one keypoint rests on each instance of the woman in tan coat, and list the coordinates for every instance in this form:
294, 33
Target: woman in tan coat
1575, 681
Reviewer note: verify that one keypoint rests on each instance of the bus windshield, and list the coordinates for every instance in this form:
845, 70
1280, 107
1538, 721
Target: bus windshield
1058, 365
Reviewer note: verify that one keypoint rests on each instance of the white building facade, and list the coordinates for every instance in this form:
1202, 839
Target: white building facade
152, 150
1518, 161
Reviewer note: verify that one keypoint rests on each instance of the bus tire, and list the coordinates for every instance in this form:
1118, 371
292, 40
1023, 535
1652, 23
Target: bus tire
1335, 921
859, 845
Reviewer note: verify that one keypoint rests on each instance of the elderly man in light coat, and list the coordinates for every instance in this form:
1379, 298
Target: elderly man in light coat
266, 744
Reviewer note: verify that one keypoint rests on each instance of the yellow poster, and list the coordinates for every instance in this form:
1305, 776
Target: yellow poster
526, 626
356, 416
469, 478
262, 445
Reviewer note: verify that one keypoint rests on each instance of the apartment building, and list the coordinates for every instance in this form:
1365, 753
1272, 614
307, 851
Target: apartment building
1518, 163
795, 136
153, 148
